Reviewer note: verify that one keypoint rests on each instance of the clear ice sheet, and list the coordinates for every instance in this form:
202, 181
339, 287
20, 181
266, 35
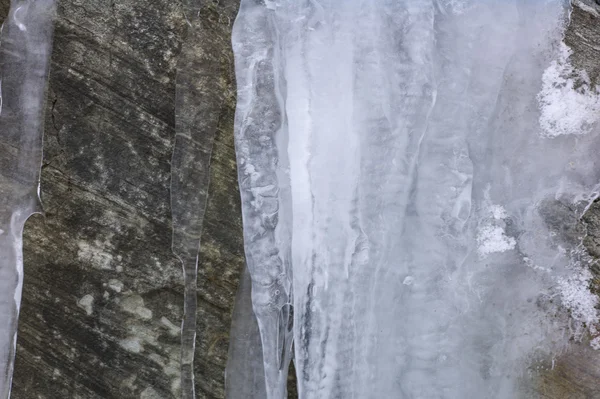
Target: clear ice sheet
398, 161
25, 45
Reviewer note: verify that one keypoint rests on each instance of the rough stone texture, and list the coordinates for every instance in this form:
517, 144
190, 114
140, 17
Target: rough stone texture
583, 37
221, 251
102, 300
591, 221
103, 296
574, 375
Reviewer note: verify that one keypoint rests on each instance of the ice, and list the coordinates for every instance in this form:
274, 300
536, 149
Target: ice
196, 121
25, 45
398, 161
244, 375
568, 102
492, 239
264, 185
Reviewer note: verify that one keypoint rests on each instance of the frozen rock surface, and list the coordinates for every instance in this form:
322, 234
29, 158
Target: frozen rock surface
399, 164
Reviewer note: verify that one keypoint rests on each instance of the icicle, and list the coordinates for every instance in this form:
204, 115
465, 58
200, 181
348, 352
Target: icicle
24, 59
196, 121
261, 142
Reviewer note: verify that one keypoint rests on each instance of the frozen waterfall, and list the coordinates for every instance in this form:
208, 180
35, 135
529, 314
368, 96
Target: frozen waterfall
398, 160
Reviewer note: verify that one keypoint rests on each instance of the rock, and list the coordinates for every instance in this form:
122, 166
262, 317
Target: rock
103, 296
583, 37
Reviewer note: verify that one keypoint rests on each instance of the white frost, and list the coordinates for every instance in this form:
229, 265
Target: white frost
498, 212
493, 239
576, 296
568, 102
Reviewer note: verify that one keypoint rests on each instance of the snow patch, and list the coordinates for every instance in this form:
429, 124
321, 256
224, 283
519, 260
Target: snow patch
95, 254
568, 103
173, 329
491, 236
498, 212
492, 239
577, 297
586, 8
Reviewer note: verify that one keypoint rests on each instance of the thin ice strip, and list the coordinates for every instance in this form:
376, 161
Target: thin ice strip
196, 120
24, 53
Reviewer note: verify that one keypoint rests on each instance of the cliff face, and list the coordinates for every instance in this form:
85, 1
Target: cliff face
103, 292
102, 301
103, 298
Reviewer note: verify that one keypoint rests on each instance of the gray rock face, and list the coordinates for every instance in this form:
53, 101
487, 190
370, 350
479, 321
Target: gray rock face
583, 37
102, 302
103, 298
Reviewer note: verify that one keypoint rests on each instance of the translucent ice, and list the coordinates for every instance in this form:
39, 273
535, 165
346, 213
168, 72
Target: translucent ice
24, 54
189, 180
397, 160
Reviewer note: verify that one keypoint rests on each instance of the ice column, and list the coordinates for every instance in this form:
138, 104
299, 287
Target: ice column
261, 142
394, 170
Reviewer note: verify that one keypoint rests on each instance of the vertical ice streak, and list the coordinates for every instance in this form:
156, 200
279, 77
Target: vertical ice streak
261, 139
196, 121
25, 45
397, 147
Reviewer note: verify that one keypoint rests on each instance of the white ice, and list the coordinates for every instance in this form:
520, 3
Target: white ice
397, 160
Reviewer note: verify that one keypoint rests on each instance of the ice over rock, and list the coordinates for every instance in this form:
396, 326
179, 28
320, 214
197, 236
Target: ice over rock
396, 163
25, 44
